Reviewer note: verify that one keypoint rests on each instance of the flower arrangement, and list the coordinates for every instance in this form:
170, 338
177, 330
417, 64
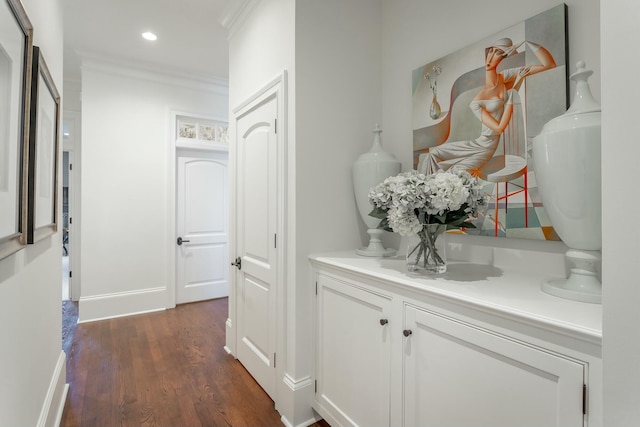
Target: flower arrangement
433, 79
409, 202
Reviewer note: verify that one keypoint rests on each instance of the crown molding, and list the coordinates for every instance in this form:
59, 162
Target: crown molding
96, 62
236, 14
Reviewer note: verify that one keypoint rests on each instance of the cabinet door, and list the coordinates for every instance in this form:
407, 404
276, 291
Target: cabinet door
457, 375
353, 353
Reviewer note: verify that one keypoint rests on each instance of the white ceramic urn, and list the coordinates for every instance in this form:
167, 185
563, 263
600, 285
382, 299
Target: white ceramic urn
369, 170
567, 164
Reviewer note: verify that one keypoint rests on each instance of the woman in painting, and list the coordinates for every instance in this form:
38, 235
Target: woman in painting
493, 106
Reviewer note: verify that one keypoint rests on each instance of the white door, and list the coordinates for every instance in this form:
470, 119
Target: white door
202, 256
256, 192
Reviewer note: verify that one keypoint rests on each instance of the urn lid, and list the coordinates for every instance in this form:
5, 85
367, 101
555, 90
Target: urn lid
583, 101
584, 104
376, 153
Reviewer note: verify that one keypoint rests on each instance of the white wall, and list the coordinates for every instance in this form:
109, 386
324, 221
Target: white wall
30, 281
415, 32
126, 184
331, 51
72, 95
261, 48
338, 103
620, 240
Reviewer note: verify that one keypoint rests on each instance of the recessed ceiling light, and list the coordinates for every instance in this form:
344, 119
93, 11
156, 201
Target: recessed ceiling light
149, 36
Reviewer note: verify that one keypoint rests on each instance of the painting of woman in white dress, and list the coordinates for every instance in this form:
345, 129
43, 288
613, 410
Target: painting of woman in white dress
493, 106
515, 79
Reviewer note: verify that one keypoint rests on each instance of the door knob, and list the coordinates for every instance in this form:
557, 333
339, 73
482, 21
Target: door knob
237, 263
407, 332
180, 241
384, 321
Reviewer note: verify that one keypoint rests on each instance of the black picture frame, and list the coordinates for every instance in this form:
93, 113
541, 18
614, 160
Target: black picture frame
44, 137
16, 43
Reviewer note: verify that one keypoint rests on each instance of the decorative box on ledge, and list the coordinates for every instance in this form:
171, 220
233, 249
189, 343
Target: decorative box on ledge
478, 345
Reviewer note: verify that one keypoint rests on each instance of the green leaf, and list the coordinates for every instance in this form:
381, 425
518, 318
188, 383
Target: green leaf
378, 213
384, 225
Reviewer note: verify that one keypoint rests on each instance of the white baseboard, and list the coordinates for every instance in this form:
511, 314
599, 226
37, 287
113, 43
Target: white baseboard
108, 306
299, 384
51, 413
299, 395
230, 343
302, 424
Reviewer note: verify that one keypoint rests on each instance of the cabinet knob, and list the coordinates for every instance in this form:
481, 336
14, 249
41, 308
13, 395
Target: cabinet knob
384, 321
407, 332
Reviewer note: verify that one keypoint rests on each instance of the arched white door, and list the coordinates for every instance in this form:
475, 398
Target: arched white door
202, 256
256, 240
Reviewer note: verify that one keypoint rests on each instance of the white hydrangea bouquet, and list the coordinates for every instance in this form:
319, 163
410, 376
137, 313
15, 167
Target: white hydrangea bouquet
412, 203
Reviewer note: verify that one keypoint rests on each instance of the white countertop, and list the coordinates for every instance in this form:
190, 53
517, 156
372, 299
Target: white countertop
483, 286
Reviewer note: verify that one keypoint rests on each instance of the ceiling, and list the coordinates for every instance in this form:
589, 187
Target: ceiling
191, 39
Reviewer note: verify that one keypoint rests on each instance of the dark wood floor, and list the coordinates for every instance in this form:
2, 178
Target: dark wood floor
159, 369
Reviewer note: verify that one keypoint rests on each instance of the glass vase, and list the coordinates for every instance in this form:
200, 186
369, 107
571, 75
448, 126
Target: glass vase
426, 251
434, 108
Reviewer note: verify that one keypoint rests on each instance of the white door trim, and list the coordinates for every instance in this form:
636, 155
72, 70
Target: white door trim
173, 146
277, 87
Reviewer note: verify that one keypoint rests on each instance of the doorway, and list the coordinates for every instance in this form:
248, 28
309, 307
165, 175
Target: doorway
200, 156
256, 329
70, 249
202, 258
66, 269
69, 224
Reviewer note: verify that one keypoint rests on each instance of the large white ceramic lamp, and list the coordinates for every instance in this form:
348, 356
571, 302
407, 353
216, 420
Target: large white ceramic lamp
566, 158
369, 170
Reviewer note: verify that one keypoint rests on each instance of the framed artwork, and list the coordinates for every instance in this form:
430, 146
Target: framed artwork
43, 152
16, 40
202, 130
207, 132
222, 133
479, 108
187, 130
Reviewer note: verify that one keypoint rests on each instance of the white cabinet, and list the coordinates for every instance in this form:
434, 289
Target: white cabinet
394, 350
353, 349
456, 374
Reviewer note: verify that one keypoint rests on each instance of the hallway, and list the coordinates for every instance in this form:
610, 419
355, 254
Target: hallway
166, 368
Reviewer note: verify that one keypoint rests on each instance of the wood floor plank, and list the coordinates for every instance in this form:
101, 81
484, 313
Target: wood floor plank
160, 369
